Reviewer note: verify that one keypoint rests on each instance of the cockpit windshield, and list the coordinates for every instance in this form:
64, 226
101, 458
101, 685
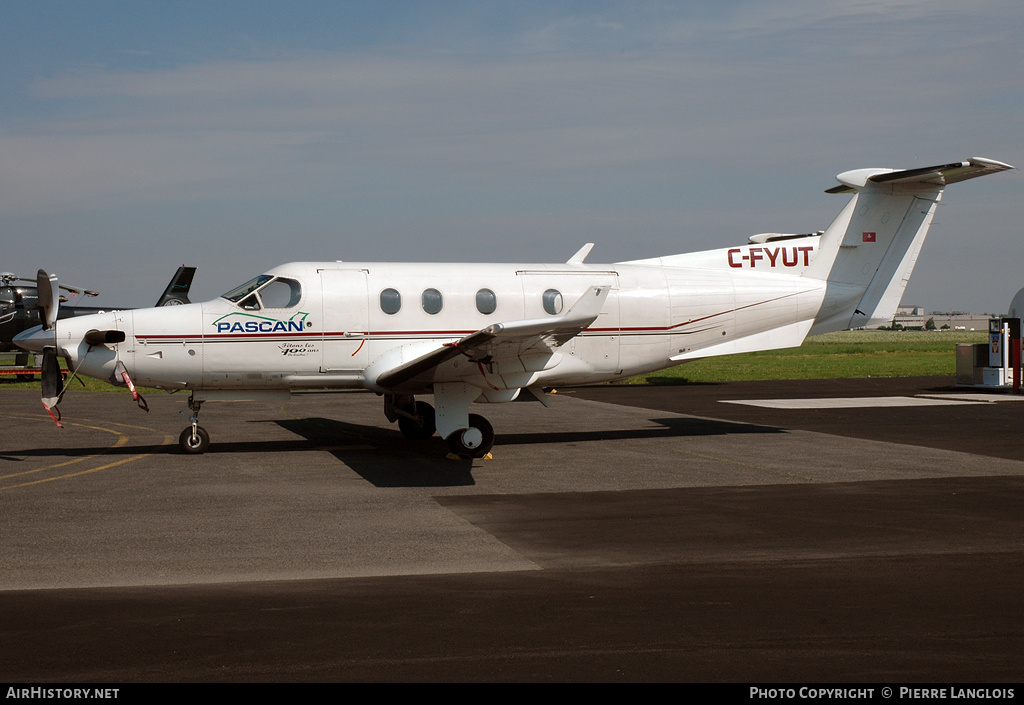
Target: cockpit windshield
239, 293
266, 291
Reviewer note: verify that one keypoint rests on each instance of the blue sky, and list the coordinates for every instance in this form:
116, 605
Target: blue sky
235, 136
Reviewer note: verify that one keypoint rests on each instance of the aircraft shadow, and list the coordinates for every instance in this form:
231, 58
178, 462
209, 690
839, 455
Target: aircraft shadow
21, 455
671, 427
384, 458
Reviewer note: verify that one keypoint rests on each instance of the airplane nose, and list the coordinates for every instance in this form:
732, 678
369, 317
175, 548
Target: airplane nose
35, 339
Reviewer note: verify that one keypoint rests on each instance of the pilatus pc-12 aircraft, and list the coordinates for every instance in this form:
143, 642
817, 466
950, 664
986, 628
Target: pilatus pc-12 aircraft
468, 333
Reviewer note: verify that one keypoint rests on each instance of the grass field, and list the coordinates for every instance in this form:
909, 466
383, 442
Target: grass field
869, 353
866, 353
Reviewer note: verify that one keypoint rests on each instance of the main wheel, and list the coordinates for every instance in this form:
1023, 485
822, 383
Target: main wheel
418, 431
473, 442
194, 444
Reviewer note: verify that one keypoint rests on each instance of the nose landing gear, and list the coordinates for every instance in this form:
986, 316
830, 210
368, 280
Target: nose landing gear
194, 439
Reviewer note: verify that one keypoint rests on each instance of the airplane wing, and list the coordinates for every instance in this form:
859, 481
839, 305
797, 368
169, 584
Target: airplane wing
495, 342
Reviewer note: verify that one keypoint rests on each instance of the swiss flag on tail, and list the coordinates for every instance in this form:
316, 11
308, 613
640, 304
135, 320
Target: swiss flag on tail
868, 237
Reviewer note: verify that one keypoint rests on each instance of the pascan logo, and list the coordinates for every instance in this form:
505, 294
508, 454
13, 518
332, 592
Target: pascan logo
251, 323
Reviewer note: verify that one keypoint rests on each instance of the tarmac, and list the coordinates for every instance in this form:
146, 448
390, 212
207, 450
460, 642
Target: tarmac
809, 531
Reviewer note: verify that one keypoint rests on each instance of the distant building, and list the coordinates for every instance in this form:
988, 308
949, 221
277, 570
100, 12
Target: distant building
910, 310
915, 317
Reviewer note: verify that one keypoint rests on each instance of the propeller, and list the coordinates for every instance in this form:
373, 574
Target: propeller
44, 339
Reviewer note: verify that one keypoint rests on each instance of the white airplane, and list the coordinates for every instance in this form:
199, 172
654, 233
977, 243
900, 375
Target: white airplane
470, 333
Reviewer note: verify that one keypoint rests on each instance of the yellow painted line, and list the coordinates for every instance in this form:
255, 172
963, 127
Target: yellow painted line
76, 474
122, 440
46, 467
112, 423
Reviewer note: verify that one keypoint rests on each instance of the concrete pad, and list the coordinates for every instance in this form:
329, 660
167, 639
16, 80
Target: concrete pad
321, 486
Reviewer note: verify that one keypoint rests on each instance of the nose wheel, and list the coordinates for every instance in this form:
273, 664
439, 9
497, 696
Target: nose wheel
473, 442
194, 440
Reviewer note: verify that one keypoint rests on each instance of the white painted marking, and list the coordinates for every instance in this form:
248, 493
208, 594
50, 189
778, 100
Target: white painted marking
977, 396
847, 402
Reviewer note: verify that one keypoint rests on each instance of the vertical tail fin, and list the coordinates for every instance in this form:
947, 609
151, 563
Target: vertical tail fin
177, 289
869, 251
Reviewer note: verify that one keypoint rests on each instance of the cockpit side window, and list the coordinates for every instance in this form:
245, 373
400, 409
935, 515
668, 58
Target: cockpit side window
281, 293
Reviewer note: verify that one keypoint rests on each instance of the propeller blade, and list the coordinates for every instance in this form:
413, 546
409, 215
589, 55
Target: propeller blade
49, 298
51, 381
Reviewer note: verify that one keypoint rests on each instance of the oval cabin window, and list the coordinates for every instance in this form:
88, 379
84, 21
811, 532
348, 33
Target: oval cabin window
431, 301
553, 301
486, 302
390, 301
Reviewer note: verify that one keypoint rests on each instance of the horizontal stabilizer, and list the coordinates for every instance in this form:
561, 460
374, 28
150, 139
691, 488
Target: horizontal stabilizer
788, 336
852, 181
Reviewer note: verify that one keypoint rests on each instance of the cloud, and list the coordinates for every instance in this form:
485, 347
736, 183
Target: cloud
136, 133
726, 120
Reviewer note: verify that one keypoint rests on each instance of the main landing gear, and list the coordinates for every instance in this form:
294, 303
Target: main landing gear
194, 439
417, 420
473, 442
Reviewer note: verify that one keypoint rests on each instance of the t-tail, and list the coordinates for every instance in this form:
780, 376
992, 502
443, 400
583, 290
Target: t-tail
867, 254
